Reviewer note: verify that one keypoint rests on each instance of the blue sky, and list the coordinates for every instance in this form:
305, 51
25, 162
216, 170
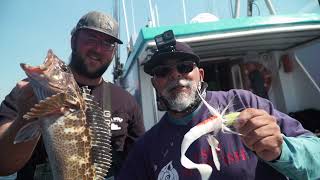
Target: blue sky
30, 28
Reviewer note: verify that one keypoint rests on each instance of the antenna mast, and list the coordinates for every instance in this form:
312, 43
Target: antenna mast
152, 14
117, 69
236, 9
184, 11
157, 14
270, 7
133, 21
249, 8
125, 19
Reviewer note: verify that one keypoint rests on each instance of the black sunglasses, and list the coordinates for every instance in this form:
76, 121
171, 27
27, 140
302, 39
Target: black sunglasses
182, 67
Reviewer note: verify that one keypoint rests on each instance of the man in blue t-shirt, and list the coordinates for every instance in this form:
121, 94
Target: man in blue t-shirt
272, 145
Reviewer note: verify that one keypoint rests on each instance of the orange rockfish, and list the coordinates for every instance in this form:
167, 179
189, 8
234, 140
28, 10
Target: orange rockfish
74, 129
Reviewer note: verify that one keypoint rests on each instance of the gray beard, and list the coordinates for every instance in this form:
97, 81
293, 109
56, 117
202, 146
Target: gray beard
182, 100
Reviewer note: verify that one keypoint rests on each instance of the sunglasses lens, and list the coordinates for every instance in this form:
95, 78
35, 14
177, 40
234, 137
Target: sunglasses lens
182, 68
161, 71
185, 67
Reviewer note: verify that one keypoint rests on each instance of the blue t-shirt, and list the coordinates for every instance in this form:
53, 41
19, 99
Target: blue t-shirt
157, 154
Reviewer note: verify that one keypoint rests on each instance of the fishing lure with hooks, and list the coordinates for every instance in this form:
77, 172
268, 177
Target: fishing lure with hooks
210, 127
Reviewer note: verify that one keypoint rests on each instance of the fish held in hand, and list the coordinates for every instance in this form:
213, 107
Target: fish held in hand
74, 129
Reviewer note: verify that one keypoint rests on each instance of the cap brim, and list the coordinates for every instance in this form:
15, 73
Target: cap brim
96, 29
162, 58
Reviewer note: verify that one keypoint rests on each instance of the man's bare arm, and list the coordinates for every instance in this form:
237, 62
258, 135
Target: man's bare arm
14, 156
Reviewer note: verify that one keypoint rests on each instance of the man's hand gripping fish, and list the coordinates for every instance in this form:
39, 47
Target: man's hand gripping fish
75, 131
214, 124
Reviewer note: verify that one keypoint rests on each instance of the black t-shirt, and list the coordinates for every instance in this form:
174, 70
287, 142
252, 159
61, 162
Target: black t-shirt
126, 124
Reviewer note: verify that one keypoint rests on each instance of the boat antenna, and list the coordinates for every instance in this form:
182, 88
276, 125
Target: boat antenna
133, 21
249, 8
151, 14
236, 13
125, 19
117, 68
184, 11
270, 7
157, 14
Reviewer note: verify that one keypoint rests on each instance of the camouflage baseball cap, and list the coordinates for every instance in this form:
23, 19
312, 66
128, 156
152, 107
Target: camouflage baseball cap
100, 22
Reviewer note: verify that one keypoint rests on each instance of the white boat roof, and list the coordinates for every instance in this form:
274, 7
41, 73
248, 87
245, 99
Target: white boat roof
234, 37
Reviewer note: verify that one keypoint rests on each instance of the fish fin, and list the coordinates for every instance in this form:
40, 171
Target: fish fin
50, 105
28, 132
100, 132
213, 142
